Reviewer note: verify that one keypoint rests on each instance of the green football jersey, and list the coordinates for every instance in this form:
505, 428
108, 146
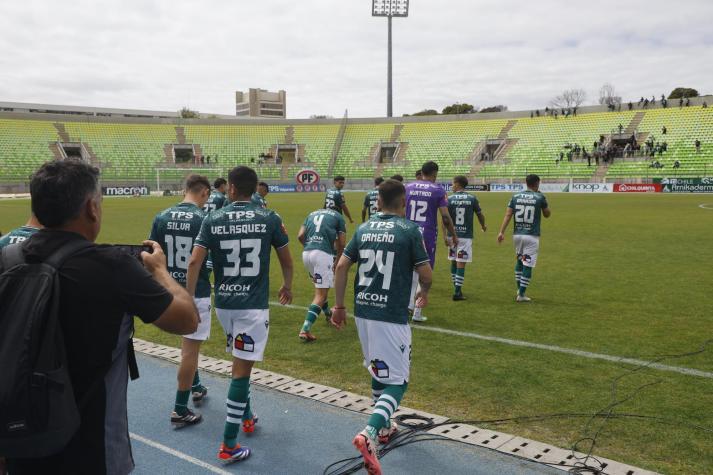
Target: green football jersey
386, 250
370, 202
216, 200
334, 199
321, 230
463, 207
527, 209
239, 237
17, 235
175, 229
258, 200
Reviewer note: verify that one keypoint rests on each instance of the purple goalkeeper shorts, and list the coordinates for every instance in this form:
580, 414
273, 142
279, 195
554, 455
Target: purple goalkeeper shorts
429, 240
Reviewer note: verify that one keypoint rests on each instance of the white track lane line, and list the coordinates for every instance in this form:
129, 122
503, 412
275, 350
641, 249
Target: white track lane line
557, 349
178, 454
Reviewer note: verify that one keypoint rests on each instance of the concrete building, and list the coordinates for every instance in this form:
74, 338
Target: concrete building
261, 103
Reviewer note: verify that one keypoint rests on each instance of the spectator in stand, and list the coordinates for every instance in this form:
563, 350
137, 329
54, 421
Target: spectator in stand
589, 161
680, 103
646, 103
698, 146
664, 145
641, 100
676, 164
621, 129
574, 111
664, 130
630, 105
207, 160
537, 112
688, 102
653, 100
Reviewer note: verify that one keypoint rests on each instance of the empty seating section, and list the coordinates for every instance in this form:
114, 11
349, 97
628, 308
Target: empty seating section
24, 145
124, 151
683, 127
357, 145
539, 141
319, 142
447, 143
133, 151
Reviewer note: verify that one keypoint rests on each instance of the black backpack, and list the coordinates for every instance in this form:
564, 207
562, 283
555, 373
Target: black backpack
38, 412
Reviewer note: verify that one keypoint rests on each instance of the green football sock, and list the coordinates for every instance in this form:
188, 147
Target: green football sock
454, 268
459, 279
181, 406
312, 314
247, 413
385, 407
518, 273
196, 386
326, 309
377, 389
238, 394
525, 279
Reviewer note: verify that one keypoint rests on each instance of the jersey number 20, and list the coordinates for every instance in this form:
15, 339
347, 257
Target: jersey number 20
524, 214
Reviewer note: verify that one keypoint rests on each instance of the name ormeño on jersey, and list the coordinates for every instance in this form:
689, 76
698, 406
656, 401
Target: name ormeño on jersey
386, 249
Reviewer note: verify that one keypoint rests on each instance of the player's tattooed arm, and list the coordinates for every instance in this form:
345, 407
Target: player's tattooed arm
481, 220
506, 221
425, 279
448, 224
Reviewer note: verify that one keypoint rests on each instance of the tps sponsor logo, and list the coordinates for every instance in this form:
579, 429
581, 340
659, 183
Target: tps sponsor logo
380, 369
637, 188
591, 188
244, 342
508, 187
307, 177
125, 190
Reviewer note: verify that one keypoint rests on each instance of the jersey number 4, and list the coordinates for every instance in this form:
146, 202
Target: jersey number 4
524, 214
383, 265
251, 257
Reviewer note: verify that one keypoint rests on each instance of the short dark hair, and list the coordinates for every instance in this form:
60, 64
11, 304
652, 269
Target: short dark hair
262, 183
429, 168
195, 183
390, 191
378, 180
339, 178
60, 188
397, 177
419, 173
244, 179
461, 180
532, 180
219, 182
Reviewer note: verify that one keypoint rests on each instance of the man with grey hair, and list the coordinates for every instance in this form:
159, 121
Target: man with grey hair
101, 288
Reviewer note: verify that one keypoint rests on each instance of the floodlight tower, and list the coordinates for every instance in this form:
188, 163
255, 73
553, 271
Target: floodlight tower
389, 9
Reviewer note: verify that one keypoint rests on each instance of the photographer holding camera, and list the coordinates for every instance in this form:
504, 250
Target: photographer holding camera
101, 288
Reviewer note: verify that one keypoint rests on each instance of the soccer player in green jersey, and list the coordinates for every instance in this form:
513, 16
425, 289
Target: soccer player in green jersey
386, 249
323, 235
334, 198
20, 234
239, 237
258, 197
527, 207
370, 207
217, 198
462, 207
175, 229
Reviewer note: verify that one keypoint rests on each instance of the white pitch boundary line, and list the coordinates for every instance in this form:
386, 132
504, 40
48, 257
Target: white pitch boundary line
557, 349
706, 206
178, 454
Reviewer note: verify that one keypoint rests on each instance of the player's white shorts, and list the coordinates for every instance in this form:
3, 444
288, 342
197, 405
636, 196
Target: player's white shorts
246, 332
526, 248
203, 331
386, 348
320, 266
463, 252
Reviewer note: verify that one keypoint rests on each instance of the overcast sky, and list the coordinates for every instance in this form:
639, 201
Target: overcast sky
330, 55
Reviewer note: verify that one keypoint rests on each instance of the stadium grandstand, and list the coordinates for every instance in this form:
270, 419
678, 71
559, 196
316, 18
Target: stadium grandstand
134, 147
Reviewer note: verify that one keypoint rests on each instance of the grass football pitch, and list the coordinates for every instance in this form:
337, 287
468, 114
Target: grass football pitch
620, 275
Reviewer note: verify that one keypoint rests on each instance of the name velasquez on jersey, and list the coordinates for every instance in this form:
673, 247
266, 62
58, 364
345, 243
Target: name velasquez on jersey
462, 207
527, 209
175, 229
216, 200
334, 199
239, 237
370, 202
17, 235
386, 249
321, 230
